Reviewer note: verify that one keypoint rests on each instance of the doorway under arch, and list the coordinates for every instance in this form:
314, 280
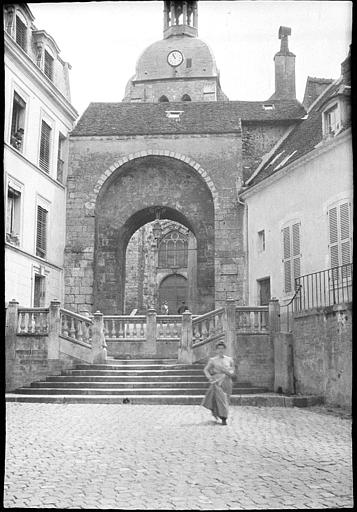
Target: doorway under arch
173, 290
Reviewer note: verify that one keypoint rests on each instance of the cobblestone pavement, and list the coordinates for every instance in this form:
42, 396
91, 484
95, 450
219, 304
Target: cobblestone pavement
175, 457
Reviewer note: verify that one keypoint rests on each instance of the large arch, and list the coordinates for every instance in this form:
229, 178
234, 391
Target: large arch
127, 200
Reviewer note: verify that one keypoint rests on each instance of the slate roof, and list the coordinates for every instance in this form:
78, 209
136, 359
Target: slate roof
302, 139
198, 117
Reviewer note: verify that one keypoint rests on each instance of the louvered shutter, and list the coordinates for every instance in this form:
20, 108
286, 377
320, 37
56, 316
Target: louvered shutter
45, 146
41, 235
20, 33
48, 65
296, 252
340, 243
286, 259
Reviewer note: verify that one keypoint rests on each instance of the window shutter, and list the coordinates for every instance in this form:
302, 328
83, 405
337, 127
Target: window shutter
286, 259
48, 66
45, 146
340, 235
41, 235
296, 250
20, 33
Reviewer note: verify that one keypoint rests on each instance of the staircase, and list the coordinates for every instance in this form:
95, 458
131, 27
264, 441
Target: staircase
135, 381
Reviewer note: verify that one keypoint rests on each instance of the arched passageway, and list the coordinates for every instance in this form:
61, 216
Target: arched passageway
128, 200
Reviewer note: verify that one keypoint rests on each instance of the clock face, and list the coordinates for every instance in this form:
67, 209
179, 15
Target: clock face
175, 58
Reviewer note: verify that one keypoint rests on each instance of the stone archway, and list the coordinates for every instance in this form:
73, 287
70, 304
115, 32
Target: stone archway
127, 201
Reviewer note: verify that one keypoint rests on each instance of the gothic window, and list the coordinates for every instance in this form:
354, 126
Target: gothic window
163, 98
185, 97
291, 255
173, 250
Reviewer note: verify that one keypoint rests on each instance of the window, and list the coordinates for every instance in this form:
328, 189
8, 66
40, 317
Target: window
188, 63
21, 32
264, 291
163, 99
60, 157
186, 97
41, 232
39, 291
45, 146
13, 216
332, 120
291, 255
261, 240
340, 234
173, 250
48, 65
17, 122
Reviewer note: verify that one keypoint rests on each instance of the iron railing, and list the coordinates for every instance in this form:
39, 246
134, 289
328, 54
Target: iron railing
324, 288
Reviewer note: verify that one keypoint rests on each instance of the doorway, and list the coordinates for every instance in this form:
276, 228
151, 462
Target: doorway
173, 289
264, 291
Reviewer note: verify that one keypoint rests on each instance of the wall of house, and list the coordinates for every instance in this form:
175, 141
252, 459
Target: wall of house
303, 193
323, 353
36, 186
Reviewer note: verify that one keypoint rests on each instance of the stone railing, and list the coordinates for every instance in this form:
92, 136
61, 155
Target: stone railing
252, 319
208, 327
119, 327
168, 327
75, 327
33, 321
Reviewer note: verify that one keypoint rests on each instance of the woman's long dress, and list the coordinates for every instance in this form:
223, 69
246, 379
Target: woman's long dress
217, 396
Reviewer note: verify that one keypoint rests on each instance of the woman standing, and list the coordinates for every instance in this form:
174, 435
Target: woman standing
219, 371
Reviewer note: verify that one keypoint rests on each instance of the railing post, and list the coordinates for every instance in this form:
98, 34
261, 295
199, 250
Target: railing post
230, 325
185, 353
274, 315
99, 346
10, 341
151, 331
54, 327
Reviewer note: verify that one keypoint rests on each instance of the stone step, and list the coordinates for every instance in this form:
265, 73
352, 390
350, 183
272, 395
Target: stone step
131, 384
257, 400
127, 378
173, 371
125, 392
140, 367
118, 360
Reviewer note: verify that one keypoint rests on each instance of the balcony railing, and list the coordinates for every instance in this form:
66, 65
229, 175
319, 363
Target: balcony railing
325, 288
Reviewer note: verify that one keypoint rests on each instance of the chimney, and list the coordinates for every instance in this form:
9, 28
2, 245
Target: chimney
284, 69
346, 69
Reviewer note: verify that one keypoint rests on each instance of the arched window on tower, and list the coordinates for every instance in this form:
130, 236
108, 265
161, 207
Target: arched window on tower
173, 250
186, 97
163, 98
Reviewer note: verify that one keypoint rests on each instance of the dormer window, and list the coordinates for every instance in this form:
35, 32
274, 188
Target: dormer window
332, 121
21, 33
48, 65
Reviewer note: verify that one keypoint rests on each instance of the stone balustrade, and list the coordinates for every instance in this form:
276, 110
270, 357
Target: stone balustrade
33, 321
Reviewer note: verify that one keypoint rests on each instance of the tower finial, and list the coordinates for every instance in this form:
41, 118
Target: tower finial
180, 18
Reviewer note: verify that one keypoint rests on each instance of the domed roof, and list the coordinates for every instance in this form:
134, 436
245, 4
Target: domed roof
152, 64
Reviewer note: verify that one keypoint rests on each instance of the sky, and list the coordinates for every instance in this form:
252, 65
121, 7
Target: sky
103, 40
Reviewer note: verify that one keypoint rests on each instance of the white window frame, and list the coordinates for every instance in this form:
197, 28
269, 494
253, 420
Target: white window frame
19, 187
15, 88
334, 105
339, 239
39, 270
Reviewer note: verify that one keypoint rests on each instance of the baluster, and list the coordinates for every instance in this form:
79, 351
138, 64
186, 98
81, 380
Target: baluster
142, 333
175, 329
172, 329
72, 331
79, 331
212, 327
90, 334
30, 324
37, 323
159, 329
196, 332
65, 325
128, 329
121, 331
205, 332
43, 322
135, 332
85, 331
113, 333
219, 323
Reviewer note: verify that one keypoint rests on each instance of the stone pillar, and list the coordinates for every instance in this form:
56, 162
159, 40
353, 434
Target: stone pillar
274, 315
230, 325
185, 353
99, 346
54, 327
10, 342
151, 331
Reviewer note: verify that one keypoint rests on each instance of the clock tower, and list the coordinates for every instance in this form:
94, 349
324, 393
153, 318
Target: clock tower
180, 67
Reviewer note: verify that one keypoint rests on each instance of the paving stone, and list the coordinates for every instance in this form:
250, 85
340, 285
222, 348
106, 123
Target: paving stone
175, 457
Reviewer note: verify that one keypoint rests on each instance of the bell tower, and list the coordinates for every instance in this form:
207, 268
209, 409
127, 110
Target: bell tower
180, 18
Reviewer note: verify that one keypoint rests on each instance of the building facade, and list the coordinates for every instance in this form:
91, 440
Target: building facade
38, 119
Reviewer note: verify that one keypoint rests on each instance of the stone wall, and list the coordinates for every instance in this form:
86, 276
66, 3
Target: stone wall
323, 353
254, 358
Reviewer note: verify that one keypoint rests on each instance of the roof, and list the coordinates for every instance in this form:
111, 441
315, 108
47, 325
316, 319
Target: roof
302, 139
197, 117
